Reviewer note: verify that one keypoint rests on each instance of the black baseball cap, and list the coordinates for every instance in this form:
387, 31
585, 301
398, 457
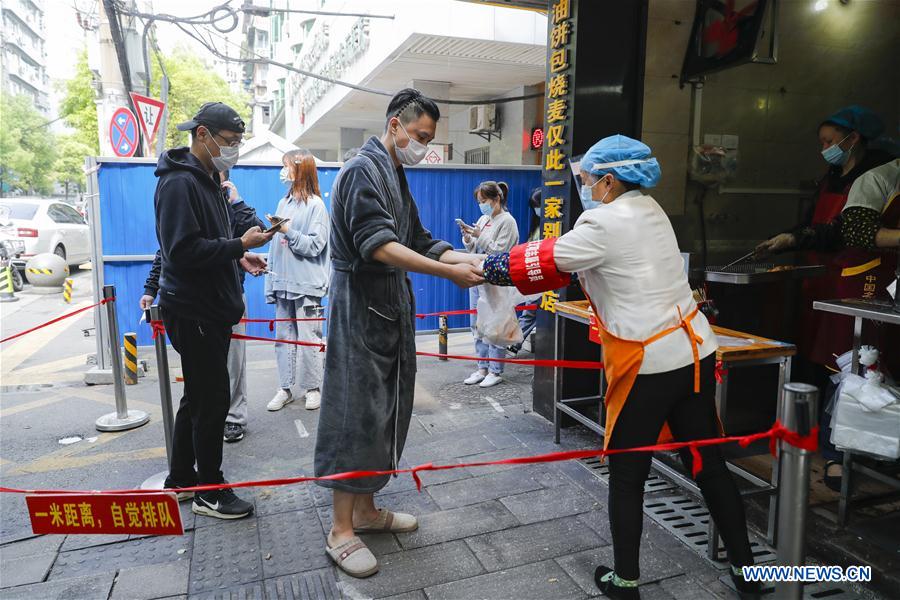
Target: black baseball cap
217, 116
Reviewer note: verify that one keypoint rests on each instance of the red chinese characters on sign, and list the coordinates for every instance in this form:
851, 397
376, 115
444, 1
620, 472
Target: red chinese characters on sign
147, 514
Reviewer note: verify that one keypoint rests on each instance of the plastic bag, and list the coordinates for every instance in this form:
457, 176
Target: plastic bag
496, 322
858, 425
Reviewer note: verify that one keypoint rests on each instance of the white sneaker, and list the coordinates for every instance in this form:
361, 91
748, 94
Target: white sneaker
476, 377
313, 399
491, 380
281, 398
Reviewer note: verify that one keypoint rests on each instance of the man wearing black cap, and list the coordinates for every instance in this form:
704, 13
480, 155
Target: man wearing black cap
200, 296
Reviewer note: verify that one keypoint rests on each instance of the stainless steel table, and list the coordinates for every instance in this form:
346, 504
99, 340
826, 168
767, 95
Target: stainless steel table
761, 352
881, 312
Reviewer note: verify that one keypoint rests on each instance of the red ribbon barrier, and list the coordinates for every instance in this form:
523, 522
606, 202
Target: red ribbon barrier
240, 336
721, 371
272, 322
57, 319
469, 311
569, 364
777, 432
159, 328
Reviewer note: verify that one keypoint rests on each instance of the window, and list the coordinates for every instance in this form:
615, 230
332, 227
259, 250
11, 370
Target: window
71, 214
266, 114
56, 213
479, 156
276, 21
20, 210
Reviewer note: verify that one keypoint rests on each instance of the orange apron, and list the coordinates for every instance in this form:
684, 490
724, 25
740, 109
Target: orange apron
622, 360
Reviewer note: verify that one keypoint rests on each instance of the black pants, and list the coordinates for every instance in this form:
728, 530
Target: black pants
200, 421
654, 400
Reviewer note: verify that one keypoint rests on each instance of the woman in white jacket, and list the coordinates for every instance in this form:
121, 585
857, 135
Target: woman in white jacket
496, 231
658, 349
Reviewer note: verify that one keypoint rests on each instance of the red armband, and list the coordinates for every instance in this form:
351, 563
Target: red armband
532, 268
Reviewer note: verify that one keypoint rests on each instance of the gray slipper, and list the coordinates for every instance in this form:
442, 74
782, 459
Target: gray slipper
353, 557
389, 521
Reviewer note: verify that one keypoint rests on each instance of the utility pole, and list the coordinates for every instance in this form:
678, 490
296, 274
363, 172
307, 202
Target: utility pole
115, 74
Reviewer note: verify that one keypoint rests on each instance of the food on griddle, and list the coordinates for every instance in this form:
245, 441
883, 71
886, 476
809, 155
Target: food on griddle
779, 268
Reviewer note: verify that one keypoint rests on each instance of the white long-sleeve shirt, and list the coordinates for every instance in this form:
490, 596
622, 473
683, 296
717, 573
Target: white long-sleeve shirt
627, 259
498, 234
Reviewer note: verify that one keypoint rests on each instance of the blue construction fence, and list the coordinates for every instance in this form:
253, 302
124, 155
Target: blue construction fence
443, 194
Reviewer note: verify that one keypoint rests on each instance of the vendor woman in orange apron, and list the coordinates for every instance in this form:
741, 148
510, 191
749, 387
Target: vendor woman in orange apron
659, 351
840, 236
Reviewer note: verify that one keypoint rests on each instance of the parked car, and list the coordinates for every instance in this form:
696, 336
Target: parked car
46, 226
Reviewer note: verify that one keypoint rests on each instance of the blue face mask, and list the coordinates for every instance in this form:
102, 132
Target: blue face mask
537, 211
835, 155
586, 194
486, 208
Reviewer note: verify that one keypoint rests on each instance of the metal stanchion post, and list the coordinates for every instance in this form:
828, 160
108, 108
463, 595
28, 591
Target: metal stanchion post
442, 336
800, 408
123, 418
157, 481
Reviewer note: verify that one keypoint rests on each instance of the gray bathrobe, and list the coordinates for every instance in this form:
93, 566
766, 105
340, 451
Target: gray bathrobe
370, 364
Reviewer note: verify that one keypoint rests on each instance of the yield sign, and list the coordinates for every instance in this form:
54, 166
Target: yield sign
149, 112
123, 132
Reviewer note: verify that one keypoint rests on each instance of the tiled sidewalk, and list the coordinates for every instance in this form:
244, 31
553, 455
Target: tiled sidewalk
534, 531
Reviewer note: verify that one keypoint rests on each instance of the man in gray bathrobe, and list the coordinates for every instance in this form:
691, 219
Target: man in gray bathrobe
370, 365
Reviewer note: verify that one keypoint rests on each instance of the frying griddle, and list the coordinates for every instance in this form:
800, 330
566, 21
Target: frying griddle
746, 273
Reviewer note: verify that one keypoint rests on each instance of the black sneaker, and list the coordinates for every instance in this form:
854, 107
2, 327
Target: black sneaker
748, 590
603, 577
171, 484
221, 504
233, 432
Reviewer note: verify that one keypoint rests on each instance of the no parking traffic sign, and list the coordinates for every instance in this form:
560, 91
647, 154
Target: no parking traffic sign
123, 132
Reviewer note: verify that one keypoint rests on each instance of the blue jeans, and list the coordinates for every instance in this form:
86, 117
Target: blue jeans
482, 348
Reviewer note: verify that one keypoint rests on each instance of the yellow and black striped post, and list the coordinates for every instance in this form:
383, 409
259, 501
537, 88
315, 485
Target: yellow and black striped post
131, 375
7, 289
442, 335
67, 291
34, 271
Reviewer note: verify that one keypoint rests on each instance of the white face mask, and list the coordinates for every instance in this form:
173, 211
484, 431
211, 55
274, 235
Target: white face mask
228, 156
413, 153
285, 176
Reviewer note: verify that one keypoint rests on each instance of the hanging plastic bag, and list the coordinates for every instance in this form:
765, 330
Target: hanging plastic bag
866, 417
496, 322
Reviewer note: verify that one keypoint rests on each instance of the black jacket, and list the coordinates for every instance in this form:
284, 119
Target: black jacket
242, 217
199, 270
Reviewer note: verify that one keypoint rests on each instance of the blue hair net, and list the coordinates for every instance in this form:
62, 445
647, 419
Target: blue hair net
629, 160
859, 119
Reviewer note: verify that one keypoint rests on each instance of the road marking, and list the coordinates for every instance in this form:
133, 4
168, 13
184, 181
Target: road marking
57, 371
495, 404
43, 465
24, 348
301, 430
26, 406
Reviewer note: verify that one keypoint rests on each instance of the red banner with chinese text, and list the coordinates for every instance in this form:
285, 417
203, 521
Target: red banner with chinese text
148, 514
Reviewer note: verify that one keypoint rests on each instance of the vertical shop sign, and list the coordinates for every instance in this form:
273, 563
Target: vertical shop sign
557, 127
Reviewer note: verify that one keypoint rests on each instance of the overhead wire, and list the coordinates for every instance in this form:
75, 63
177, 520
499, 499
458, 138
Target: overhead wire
210, 18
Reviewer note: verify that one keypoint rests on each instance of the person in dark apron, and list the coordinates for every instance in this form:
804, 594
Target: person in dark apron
852, 271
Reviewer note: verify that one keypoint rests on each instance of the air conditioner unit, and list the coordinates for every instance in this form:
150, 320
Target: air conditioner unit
483, 119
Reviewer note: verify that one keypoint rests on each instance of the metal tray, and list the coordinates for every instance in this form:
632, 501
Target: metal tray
759, 273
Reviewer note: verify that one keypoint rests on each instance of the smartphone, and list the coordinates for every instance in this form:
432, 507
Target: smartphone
461, 223
275, 226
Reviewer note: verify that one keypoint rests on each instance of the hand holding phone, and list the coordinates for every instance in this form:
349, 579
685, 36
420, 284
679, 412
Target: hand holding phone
276, 222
